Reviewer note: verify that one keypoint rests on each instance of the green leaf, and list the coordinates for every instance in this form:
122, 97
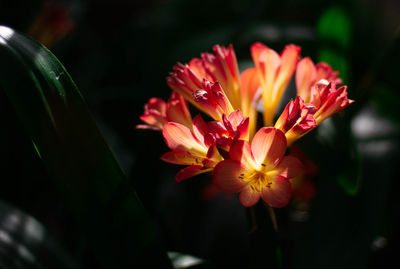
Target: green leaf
334, 30
76, 155
335, 24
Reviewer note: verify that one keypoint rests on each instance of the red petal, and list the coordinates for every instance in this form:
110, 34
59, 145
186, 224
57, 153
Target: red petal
178, 111
178, 136
181, 157
249, 84
268, 146
249, 197
156, 104
226, 176
241, 152
154, 118
289, 167
200, 128
305, 76
279, 194
190, 171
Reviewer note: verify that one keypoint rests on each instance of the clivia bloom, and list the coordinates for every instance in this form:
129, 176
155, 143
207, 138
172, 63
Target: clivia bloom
220, 72
328, 100
308, 74
259, 170
212, 100
296, 120
157, 113
242, 159
222, 67
195, 148
232, 128
274, 72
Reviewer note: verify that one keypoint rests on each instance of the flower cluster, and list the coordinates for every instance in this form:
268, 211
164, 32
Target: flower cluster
241, 158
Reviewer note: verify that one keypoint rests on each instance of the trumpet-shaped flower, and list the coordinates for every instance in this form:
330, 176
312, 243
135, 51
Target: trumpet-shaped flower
259, 170
307, 74
196, 148
212, 100
232, 128
296, 120
328, 100
242, 160
274, 72
157, 113
220, 67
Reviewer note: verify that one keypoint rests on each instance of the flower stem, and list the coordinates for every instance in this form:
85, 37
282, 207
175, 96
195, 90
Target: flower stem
265, 249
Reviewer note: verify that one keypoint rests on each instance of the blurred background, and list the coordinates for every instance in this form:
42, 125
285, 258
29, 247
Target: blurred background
346, 210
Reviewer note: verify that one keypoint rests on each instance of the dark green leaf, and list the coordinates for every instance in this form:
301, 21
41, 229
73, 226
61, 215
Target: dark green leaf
70, 144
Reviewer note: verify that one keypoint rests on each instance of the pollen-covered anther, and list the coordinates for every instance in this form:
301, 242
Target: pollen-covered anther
258, 180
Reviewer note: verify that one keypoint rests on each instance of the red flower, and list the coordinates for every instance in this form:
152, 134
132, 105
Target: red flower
157, 113
259, 170
195, 148
328, 100
212, 100
296, 120
307, 74
230, 129
274, 72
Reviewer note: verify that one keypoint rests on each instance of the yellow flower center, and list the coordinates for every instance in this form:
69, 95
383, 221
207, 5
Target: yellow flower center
258, 179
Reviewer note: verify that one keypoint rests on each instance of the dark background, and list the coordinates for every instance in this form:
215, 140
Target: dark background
119, 53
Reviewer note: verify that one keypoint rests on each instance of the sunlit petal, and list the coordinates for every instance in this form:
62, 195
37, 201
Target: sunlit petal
226, 176
179, 137
190, 171
268, 146
279, 193
248, 196
289, 167
241, 152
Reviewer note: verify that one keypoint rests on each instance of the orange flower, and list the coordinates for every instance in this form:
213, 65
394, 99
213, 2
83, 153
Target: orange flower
307, 74
222, 67
195, 148
212, 100
217, 72
274, 72
328, 100
232, 128
157, 113
243, 160
296, 120
259, 170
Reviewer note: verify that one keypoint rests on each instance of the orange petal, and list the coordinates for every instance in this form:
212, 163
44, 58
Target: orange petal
226, 176
289, 167
305, 76
190, 171
248, 196
181, 157
241, 152
179, 137
200, 128
279, 194
178, 110
268, 146
289, 60
154, 119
